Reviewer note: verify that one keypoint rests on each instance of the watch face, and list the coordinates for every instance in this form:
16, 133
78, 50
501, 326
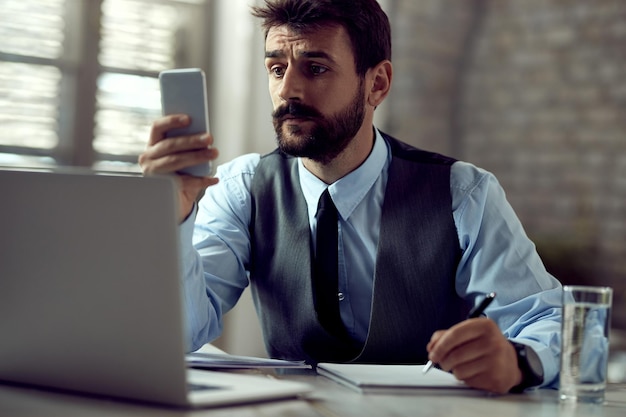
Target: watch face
533, 362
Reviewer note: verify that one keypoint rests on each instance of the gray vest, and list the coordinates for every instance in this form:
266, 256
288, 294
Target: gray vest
414, 282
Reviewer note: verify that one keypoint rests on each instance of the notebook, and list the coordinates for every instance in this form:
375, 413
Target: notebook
390, 379
90, 293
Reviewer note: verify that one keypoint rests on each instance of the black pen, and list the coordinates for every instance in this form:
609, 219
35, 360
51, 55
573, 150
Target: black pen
475, 312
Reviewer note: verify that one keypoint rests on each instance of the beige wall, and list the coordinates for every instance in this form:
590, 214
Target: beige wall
534, 91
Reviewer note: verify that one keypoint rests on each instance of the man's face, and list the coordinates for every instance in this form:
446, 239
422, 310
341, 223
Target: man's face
318, 98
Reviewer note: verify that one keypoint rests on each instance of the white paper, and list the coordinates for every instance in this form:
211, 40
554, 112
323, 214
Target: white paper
366, 377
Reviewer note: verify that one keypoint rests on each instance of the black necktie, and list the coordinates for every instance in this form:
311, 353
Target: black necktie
325, 274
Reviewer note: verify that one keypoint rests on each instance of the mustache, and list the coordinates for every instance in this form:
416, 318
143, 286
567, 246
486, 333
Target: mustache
296, 109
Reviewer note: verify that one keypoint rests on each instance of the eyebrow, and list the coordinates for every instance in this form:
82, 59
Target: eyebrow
306, 54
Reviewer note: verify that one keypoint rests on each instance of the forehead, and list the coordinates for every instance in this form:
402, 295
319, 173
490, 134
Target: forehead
331, 40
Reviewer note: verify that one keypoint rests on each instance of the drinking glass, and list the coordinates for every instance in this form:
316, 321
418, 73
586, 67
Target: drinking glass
585, 343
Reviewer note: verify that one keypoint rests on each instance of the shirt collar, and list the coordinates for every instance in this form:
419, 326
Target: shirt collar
348, 191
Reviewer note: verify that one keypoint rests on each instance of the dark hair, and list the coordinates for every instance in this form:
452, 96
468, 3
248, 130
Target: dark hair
364, 20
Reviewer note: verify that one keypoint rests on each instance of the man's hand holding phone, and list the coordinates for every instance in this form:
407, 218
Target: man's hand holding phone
171, 155
180, 141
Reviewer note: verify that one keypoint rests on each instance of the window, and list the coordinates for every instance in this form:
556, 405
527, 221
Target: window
78, 78
31, 47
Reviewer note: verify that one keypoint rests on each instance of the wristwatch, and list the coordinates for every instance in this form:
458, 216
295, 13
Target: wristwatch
530, 365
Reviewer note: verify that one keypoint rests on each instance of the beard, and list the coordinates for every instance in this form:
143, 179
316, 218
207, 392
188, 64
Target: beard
328, 137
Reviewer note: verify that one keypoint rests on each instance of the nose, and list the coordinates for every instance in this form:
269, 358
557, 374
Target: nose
291, 85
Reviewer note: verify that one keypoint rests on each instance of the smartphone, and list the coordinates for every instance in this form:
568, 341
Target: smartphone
183, 91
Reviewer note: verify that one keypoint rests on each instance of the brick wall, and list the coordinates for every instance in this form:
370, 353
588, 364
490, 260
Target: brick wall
534, 91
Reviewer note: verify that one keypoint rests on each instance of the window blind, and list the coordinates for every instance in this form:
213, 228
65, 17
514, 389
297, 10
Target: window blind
31, 45
38, 95
139, 39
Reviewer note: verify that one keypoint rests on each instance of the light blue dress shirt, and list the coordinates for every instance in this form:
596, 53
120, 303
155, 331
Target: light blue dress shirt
496, 253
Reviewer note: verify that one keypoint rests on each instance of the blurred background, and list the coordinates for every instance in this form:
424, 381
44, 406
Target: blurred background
532, 90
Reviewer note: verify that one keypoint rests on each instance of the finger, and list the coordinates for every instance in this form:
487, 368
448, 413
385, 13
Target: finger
177, 161
485, 373
458, 335
176, 153
180, 144
162, 125
464, 355
475, 374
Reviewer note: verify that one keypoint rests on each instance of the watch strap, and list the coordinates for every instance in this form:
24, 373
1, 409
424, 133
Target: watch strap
532, 373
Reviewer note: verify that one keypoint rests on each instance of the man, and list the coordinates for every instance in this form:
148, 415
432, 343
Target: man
421, 237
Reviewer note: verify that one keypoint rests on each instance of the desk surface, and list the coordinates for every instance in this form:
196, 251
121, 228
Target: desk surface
328, 399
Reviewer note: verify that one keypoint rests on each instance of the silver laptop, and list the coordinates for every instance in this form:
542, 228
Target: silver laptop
90, 293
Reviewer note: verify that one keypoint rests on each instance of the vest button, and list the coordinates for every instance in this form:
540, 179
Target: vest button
341, 296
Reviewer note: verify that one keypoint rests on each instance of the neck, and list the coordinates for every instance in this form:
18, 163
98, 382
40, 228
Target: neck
347, 161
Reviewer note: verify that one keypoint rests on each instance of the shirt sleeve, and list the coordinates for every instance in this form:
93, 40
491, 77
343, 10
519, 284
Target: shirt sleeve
498, 256
216, 250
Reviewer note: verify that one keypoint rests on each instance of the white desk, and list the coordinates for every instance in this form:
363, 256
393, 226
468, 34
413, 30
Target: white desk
328, 400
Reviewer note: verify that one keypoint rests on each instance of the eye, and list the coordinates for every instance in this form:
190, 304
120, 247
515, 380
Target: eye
317, 69
277, 71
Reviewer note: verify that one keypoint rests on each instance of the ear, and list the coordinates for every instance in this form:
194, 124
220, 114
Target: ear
379, 82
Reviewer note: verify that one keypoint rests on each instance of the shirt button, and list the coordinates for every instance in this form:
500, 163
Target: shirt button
341, 296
